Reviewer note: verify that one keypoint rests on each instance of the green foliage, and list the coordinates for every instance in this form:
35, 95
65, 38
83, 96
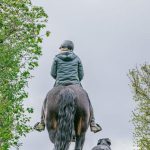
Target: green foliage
20, 27
140, 83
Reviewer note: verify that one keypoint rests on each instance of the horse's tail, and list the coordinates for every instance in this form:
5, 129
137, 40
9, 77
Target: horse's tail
66, 115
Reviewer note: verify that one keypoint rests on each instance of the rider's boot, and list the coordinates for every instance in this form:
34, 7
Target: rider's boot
95, 127
39, 126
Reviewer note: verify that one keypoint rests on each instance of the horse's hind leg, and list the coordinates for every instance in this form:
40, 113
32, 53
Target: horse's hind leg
51, 127
79, 142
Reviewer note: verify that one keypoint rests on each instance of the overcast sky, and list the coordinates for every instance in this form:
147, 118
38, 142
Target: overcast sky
110, 37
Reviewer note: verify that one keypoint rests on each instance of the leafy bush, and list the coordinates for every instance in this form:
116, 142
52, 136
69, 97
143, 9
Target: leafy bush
140, 83
20, 27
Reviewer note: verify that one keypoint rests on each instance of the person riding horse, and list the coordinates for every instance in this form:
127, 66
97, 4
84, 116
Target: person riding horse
67, 69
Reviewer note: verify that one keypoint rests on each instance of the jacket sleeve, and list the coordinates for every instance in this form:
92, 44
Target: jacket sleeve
80, 70
54, 69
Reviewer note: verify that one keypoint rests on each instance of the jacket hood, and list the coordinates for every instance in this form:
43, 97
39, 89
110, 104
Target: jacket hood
66, 56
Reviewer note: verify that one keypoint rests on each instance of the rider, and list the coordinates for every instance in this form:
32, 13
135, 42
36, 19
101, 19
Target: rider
67, 69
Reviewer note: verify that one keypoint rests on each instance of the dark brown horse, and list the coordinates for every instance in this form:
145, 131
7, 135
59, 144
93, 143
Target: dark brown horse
66, 110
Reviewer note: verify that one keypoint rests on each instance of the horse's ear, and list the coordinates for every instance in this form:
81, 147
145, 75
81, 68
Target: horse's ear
99, 141
108, 141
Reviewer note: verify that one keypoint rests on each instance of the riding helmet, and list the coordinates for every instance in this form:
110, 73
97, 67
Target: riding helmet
67, 44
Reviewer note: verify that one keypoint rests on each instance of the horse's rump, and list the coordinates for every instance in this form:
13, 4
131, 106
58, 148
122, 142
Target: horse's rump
81, 100
66, 109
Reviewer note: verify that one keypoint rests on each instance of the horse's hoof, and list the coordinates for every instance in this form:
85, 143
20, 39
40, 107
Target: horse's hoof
73, 138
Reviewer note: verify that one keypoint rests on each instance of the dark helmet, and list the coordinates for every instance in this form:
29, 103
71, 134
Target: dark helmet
67, 44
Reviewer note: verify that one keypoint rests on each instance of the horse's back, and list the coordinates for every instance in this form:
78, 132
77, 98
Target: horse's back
81, 97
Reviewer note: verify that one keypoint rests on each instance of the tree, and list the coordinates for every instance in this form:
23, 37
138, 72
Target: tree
140, 83
20, 28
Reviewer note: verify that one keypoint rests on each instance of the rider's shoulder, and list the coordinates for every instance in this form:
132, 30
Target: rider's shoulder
56, 57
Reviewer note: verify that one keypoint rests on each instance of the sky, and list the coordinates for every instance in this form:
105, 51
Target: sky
110, 37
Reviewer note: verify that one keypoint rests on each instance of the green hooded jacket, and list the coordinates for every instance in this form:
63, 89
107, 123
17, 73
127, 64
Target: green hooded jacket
67, 69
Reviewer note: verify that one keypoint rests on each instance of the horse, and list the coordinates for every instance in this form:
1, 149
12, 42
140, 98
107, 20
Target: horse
66, 111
